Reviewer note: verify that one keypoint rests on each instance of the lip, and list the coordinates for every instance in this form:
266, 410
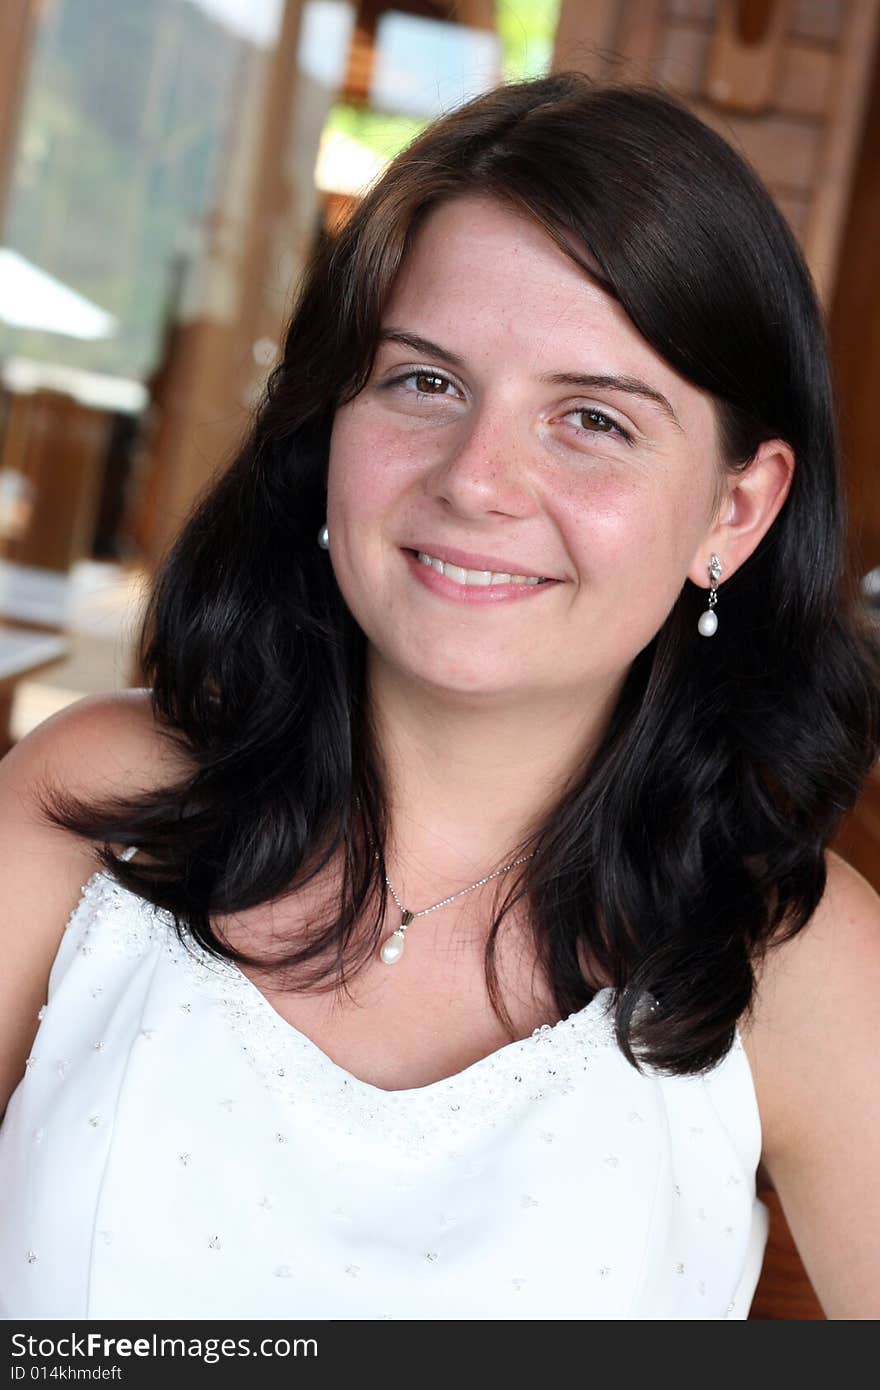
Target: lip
471, 560
471, 593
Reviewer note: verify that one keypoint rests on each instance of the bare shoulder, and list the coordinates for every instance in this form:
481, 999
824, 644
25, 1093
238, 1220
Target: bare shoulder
97, 743
99, 747
811, 1042
808, 990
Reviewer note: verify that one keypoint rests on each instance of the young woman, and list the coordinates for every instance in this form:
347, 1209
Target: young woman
465, 932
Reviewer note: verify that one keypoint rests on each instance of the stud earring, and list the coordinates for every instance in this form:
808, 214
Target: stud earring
708, 624
324, 537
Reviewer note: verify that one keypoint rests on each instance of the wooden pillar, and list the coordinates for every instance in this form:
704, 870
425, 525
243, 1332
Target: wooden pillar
584, 35
203, 407
17, 25
58, 447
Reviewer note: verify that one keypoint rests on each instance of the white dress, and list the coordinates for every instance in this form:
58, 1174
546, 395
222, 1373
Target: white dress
175, 1149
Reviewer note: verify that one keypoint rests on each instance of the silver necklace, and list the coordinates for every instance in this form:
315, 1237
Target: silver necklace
392, 947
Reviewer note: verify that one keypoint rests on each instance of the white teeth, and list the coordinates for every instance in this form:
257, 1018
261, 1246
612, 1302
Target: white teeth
463, 576
455, 572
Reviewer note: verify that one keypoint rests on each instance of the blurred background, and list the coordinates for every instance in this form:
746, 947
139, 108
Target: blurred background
166, 166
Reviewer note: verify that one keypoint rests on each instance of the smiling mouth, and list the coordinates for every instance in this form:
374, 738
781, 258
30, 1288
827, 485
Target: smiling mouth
475, 578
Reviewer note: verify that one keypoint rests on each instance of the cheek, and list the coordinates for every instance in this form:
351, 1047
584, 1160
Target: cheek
630, 535
361, 474
605, 516
362, 485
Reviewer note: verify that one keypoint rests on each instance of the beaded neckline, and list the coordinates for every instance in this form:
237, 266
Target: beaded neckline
544, 1031
550, 1061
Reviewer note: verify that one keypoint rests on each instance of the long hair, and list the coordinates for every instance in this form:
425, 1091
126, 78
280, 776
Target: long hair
694, 838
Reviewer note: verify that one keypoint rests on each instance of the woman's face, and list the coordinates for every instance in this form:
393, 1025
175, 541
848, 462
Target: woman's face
479, 445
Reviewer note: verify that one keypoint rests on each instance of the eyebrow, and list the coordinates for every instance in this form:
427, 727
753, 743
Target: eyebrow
630, 385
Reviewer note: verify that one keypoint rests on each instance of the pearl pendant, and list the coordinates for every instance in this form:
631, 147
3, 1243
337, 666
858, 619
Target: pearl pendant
392, 950
708, 624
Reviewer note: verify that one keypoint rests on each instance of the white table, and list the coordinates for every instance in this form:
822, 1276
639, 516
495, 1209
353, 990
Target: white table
29, 594
23, 652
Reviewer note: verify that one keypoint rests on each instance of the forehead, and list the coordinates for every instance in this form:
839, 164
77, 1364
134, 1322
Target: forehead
488, 281
476, 241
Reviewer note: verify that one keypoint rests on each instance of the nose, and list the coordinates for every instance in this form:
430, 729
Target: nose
483, 466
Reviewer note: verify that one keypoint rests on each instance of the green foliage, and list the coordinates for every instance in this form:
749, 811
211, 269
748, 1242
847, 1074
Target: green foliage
527, 29
382, 134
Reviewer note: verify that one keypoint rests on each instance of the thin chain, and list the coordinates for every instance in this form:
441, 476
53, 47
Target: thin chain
460, 894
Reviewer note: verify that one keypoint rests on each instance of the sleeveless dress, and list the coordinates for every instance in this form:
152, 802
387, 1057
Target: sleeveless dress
175, 1149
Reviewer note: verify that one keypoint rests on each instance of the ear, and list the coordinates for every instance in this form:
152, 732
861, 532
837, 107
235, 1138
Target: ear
750, 503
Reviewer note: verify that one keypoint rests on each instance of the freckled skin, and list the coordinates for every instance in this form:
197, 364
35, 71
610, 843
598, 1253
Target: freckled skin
493, 460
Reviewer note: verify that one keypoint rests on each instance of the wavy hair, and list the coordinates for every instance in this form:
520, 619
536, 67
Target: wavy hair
694, 839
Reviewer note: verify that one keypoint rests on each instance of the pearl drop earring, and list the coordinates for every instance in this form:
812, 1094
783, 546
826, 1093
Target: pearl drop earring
708, 624
324, 537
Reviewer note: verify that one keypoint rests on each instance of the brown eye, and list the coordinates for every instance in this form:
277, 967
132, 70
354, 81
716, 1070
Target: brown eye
605, 424
422, 383
420, 377
596, 416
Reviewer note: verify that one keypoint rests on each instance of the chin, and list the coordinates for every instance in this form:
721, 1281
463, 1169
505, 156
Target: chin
451, 674
470, 683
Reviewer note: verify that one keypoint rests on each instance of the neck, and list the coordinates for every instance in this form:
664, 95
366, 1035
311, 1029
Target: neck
469, 777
